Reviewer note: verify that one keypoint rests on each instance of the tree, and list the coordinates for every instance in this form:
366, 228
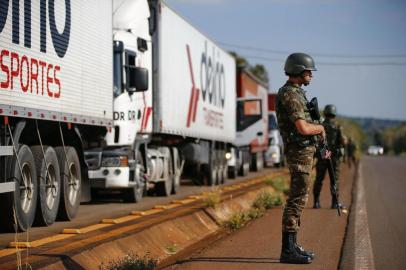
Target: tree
258, 70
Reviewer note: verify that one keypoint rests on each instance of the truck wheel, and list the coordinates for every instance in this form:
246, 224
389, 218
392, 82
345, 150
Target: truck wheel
70, 182
176, 177
49, 181
257, 162
244, 169
135, 194
211, 175
164, 188
233, 173
24, 198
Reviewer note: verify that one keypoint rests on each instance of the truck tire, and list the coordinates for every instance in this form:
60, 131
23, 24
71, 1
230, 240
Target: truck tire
257, 162
70, 182
164, 188
135, 194
210, 177
244, 169
232, 174
176, 177
24, 198
49, 185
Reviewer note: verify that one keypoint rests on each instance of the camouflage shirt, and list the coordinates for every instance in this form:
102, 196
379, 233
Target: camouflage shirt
334, 134
290, 106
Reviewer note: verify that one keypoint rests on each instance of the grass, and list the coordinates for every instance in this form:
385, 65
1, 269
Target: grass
263, 201
131, 262
172, 249
280, 184
213, 198
266, 200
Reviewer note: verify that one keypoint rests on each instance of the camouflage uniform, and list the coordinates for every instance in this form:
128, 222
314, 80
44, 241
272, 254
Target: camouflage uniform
335, 140
291, 106
351, 148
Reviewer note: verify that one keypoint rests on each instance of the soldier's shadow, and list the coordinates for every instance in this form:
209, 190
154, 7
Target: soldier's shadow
248, 260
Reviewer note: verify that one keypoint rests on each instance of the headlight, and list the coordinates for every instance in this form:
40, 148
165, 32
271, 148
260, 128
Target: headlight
274, 155
228, 155
114, 162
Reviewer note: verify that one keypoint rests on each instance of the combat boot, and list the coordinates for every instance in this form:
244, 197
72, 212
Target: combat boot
289, 252
316, 204
302, 251
335, 205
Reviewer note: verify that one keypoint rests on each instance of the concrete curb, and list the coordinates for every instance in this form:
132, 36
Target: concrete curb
183, 233
357, 250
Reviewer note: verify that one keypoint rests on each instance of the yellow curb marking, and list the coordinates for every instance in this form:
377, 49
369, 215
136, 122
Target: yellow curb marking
40, 242
196, 197
85, 229
185, 201
146, 213
119, 220
167, 206
7, 251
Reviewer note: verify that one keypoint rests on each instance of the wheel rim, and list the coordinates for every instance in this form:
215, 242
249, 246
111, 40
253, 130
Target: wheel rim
73, 184
26, 188
51, 187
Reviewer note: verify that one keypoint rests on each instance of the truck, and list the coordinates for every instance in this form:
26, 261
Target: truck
106, 94
55, 100
251, 143
274, 156
183, 124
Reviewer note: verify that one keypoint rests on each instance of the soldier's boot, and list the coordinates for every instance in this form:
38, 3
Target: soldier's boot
335, 205
302, 251
316, 204
289, 252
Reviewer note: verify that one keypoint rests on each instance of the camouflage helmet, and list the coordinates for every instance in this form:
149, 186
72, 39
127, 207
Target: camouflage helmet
330, 109
296, 63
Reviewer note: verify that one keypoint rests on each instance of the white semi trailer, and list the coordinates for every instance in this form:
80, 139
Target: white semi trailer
183, 123
112, 94
56, 78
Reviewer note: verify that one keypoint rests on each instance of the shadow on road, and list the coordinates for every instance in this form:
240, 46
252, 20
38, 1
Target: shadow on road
229, 260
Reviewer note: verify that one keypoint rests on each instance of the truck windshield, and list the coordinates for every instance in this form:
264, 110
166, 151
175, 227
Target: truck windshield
272, 122
248, 113
118, 74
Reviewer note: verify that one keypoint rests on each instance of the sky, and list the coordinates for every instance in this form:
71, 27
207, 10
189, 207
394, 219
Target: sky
359, 46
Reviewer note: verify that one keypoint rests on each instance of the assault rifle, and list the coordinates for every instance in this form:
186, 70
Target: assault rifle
322, 149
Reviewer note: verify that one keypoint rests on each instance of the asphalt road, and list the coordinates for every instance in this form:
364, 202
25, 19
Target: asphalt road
110, 206
258, 245
385, 188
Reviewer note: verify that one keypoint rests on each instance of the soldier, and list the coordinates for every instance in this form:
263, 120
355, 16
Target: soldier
297, 130
336, 141
351, 148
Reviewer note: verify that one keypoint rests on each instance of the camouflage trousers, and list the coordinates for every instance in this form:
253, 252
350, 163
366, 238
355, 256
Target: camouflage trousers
300, 161
321, 169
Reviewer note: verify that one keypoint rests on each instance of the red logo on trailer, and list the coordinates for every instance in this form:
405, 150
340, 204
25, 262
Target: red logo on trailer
194, 96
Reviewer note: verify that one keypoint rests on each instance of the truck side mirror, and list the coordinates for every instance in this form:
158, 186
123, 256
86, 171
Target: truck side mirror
137, 79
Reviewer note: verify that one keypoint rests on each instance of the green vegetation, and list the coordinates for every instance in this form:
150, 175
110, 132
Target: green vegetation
266, 200
172, 249
258, 70
280, 184
131, 262
263, 201
213, 198
353, 130
394, 139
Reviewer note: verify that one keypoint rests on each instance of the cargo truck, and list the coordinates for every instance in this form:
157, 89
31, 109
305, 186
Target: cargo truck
274, 156
183, 123
121, 94
251, 140
56, 78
